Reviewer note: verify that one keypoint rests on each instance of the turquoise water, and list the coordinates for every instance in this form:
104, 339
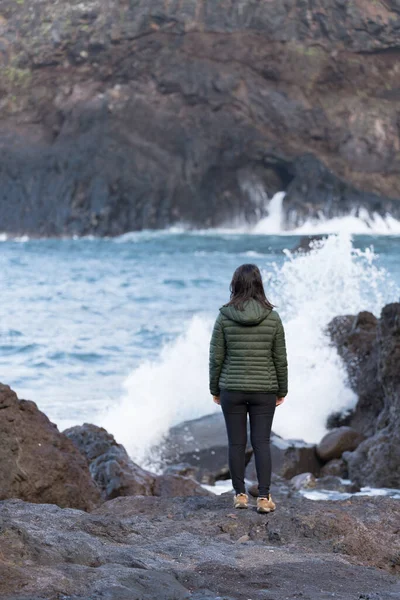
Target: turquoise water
116, 330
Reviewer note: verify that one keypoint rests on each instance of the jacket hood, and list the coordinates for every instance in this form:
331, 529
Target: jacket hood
252, 314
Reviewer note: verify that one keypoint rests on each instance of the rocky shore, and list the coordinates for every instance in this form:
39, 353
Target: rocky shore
165, 536
118, 116
370, 348
79, 520
146, 547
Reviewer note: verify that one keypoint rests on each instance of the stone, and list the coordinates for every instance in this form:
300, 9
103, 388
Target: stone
308, 243
289, 458
177, 486
303, 481
336, 467
37, 462
111, 468
183, 469
201, 443
376, 378
337, 484
337, 441
117, 475
355, 339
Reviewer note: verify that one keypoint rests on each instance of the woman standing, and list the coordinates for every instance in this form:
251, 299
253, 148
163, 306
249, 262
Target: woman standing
248, 374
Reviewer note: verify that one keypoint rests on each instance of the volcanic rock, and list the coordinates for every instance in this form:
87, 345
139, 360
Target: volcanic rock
303, 481
201, 443
147, 547
336, 484
37, 462
118, 116
337, 441
355, 339
371, 351
117, 475
336, 467
289, 458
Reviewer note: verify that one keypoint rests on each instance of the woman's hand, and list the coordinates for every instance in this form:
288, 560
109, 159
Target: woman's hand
216, 400
280, 401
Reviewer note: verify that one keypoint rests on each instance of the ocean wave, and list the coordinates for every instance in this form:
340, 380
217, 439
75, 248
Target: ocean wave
309, 289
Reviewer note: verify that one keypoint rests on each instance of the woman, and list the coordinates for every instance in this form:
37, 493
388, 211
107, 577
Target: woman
248, 374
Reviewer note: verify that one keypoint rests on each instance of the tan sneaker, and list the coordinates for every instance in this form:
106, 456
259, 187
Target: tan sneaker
265, 505
241, 501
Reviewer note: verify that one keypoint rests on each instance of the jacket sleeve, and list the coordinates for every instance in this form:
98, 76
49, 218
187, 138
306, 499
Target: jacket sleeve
280, 359
217, 355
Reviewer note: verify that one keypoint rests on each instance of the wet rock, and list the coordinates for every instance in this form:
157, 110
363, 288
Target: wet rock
376, 377
337, 441
336, 467
355, 339
176, 485
279, 485
333, 483
117, 475
339, 419
308, 242
289, 458
183, 469
37, 462
147, 547
201, 443
303, 481
111, 468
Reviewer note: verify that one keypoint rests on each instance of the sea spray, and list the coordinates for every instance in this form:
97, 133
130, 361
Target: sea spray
309, 290
159, 394
332, 279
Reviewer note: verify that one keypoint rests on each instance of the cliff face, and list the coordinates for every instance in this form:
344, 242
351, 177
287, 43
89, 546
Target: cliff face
121, 115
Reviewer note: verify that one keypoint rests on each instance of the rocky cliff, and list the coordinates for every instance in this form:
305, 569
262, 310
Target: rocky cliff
370, 348
116, 116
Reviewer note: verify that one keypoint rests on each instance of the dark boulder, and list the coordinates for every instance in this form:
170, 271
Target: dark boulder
355, 339
371, 351
37, 462
336, 467
111, 468
117, 475
201, 443
289, 458
337, 441
174, 486
308, 242
336, 484
303, 481
339, 419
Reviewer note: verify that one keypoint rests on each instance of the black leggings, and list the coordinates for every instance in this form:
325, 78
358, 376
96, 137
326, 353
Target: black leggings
261, 409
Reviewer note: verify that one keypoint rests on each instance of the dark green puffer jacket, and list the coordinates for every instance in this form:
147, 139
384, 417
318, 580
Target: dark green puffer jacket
248, 351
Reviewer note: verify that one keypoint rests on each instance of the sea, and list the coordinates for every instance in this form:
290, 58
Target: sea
115, 331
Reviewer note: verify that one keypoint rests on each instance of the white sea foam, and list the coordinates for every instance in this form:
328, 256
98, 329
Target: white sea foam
333, 495
165, 392
361, 223
334, 278
222, 487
